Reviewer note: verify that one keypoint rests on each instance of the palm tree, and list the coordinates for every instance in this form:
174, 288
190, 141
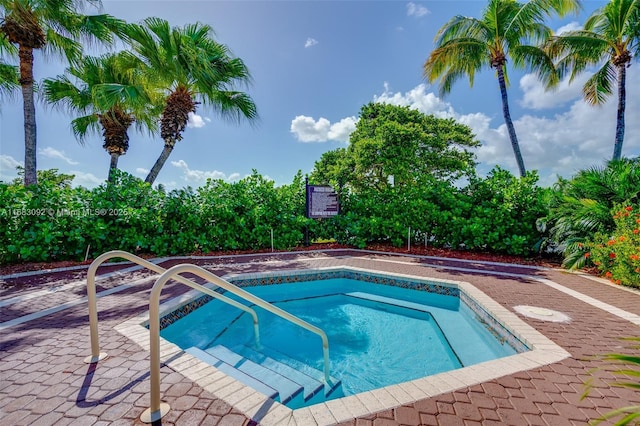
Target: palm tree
111, 95
610, 38
56, 27
507, 29
192, 68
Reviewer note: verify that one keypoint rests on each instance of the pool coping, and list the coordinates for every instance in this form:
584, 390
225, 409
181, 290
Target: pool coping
269, 412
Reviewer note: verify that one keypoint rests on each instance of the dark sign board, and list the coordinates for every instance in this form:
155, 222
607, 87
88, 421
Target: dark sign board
322, 201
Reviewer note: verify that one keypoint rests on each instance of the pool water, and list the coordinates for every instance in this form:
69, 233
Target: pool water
379, 335
363, 335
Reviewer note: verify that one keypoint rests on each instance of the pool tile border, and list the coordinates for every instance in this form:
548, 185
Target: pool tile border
542, 351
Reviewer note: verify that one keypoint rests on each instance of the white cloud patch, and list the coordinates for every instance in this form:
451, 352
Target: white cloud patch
88, 180
8, 166
416, 10
310, 42
197, 121
200, 176
7, 162
307, 129
571, 26
51, 152
537, 97
142, 171
417, 98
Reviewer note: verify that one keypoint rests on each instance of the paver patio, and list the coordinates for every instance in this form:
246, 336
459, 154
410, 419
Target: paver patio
44, 381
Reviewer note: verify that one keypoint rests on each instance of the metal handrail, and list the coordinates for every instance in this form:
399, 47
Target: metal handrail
93, 308
158, 409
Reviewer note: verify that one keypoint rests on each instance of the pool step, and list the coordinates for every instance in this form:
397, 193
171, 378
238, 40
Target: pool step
389, 301
311, 379
273, 385
233, 372
281, 382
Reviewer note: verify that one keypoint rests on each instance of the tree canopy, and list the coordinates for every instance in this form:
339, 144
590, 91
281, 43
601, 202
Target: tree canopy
397, 145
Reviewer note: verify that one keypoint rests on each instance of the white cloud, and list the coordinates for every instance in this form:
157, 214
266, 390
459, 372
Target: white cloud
341, 130
307, 129
416, 10
51, 152
310, 42
417, 98
7, 162
200, 176
142, 171
571, 26
88, 180
537, 97
8, 166
197, 121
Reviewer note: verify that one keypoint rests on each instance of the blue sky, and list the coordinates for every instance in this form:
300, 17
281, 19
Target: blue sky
314, 64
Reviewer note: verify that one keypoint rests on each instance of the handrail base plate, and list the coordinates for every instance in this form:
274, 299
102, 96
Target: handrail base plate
93, 359
149, 417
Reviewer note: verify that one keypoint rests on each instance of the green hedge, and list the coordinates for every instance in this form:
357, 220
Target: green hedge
53, 221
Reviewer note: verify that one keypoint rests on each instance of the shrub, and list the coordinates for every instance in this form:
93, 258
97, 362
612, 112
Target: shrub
617, 255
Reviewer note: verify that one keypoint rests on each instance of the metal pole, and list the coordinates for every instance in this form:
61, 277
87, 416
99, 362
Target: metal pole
157, 409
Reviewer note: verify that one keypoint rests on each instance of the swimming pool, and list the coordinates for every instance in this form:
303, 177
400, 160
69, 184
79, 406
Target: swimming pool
382, 329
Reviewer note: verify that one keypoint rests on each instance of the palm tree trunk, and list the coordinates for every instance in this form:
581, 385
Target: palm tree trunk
153, 174
29, 111
509, 123
113, 166
622, 102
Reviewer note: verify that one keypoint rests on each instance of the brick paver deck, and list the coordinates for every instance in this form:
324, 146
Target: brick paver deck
44, 381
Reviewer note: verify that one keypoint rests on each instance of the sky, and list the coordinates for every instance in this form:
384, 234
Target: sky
314, 64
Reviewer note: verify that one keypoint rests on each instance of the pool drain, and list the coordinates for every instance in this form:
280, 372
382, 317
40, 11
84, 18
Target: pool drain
542, 314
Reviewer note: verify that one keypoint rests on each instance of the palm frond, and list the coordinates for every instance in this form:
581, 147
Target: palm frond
85, 125
600, 85
537, 60
233, 106
454, 59
59, 44
9, 80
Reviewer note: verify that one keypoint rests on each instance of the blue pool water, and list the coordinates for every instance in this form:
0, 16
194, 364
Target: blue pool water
378, 335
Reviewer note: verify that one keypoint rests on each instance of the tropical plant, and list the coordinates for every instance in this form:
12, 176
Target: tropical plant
506, 29
192, 68
110, 94
56, 27
610, 39
582, 206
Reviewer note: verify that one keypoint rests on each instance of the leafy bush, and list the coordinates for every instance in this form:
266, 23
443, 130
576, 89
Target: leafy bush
502, 214
617, 255
497, 213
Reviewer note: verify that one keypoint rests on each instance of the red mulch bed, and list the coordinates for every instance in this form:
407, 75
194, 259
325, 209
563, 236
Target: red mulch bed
546, 261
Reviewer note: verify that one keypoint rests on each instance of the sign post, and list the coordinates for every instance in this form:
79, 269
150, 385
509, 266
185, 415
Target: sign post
321, 202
